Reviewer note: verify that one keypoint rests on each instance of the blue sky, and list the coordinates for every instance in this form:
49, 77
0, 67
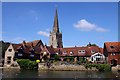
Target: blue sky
80, 23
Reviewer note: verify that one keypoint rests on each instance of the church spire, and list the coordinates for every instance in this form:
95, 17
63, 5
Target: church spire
56, 24
55, 39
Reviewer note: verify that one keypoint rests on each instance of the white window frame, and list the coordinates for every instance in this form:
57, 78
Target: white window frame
81, 51
44, 53
112, 54
71, 53
64, 52
92, 51
9, 50
32, 55
57, 53
19, 54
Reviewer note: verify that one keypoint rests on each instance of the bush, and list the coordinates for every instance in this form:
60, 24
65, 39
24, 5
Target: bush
100, 67
103, 67
78, 62
27, 64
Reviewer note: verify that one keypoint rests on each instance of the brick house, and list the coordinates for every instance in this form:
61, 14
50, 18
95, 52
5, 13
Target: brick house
30, 50
112, 52
79, 53
47, 53
26, 50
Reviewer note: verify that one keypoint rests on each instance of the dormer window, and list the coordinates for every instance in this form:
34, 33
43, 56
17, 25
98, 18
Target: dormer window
93, 51
81, 51
10, 50
112, 53
111, 47
64, 52
71, 53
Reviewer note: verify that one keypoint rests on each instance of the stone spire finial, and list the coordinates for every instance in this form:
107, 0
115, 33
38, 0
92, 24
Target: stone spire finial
56, 24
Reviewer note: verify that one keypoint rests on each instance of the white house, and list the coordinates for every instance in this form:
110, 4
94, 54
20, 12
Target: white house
9, 55
97, 57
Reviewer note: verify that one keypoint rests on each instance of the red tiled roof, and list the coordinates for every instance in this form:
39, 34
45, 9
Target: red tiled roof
48, 49
29, 46
112, 46
101, 50
33, 43
16, 46
75, 50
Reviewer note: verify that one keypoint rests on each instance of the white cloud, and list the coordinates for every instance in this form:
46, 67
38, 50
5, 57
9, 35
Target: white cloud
43, 33
84, 25
99, 29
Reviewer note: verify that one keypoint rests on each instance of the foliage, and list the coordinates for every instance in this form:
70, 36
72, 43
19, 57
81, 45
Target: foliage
104, 67
69, 58
57, 57
100, 67
79, 62
82, 60
27, 64
91, 44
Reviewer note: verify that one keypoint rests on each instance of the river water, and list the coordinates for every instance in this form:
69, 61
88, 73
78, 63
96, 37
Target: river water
14, 73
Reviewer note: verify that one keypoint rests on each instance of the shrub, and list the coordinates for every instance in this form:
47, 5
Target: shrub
78, 62
103, 67
100, 67
27, 64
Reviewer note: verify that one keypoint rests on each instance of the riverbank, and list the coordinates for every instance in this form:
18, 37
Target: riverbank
63, 67
116, 68
9, 67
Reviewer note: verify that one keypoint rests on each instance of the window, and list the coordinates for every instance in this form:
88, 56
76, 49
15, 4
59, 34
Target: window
8, 60
64, 52
93, 51
41, 54
81, 51
71, 53
52, 38
10, 50
45, 53
32, 55
111, 47
97, 59
19, 54
112, 53
57, 53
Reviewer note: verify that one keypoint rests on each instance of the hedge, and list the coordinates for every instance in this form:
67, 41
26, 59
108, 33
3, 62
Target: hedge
27, 64
100, 67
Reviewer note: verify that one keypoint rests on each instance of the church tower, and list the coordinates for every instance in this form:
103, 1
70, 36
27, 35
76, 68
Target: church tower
55, 38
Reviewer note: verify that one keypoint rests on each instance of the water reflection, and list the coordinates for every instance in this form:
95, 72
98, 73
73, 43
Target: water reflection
15, 73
